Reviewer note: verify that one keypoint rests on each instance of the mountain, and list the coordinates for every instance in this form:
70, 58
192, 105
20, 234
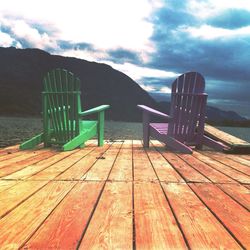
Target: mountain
213, 114
22, 71
218, 115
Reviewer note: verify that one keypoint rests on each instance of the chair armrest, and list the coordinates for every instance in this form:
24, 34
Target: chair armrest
154, 112
94, 110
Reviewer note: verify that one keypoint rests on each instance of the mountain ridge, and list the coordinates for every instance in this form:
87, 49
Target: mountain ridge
100, 84
22, 71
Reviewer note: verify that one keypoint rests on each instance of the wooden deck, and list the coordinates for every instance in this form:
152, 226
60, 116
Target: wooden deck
121, 196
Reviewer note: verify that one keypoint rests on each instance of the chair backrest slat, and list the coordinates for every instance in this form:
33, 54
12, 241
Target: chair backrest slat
62, 94
188, 102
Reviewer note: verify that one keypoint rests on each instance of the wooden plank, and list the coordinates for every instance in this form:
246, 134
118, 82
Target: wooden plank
64, 227
239, 158
101, 169
224, 137
7, 184
230, 172
164, 170
10, 149
122, 169
33, 169
58, 168
21, 223
25, 163
238, 192
155, 225
15, 195
13, 155
201, 229
111, 226
229, 162
22, 157
233, 216
143, 170
247, 157
188, 173
211, 173
77, 171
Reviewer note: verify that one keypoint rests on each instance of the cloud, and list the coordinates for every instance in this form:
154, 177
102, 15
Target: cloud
204, 9
6, 39
231, 19
120, 56
165, 90
149, 88
152, 41
208, 32
26, 34
139, 72
107, 24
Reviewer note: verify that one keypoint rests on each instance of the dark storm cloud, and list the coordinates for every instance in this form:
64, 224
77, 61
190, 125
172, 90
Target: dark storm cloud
223, 61
171, 18
67, 45
5, 29
231, 19
158, 82
227, 89
122, 55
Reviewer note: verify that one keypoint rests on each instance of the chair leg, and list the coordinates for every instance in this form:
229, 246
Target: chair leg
100, 128
145, 120
74, 143
32, 142
79, 140
176, 145
213, 144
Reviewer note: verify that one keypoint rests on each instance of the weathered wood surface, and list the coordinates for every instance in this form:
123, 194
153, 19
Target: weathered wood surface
122, 196
235, 143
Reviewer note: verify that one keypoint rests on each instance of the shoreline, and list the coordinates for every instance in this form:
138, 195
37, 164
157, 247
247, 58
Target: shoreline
14, 130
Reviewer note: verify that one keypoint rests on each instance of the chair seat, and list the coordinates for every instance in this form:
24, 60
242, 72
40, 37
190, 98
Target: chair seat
161, 128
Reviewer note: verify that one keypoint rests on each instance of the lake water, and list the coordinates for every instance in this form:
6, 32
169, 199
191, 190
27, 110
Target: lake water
14, 130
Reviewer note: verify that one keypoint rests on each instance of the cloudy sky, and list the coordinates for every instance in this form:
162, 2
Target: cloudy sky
152, 41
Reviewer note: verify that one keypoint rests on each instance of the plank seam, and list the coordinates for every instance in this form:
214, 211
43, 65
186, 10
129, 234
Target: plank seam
22, 201
8, 166
37, 171
224, 191
215, 159
48, 181
209, 164
237, 160
168, 201
76, 182
35, 230
215, 215
98, 198
133, 199
195, 169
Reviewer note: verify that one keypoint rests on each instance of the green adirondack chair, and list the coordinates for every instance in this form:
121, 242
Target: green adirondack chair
62, 115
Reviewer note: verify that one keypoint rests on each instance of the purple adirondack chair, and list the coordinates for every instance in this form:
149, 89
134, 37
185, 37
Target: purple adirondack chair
185, 125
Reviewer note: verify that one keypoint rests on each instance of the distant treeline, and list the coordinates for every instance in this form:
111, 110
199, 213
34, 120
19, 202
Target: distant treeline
229, 123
